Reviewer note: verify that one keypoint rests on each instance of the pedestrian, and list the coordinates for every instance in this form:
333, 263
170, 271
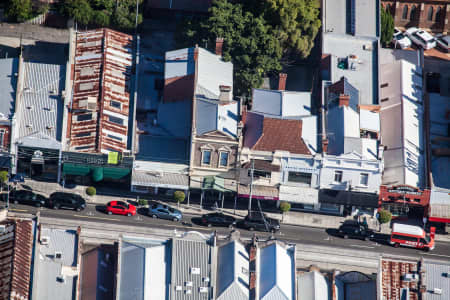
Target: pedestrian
365, 221
378, 220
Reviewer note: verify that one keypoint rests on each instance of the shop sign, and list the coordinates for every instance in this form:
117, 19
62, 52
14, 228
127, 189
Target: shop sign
403, 189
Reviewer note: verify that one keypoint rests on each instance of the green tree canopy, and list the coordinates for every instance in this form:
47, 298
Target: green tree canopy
80, 10
179, 196
3, 176
384, 216
387, 27
18, 10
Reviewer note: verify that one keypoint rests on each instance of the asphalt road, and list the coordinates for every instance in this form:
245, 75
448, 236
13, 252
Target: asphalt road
294, 234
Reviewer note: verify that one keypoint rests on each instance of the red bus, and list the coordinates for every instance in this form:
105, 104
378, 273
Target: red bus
412, 236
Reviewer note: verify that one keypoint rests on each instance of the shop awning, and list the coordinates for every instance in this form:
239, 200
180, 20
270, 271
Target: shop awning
259, 192
214, 183
115, 173
298, 194
97, 174
348, 198
439, 206
161, 180
73, 169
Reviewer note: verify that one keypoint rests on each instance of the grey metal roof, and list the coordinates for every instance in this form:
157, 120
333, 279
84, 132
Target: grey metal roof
212, 115
49, 267
186, 255
281, 103
41, 105
436, 277
165, 180
8, 82
313, 286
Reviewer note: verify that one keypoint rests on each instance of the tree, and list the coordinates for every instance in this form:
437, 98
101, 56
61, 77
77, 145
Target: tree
179, 196
387, 27
101, 18
3, 179
385, 216
285, 207
18, 10
124, 16
79, 10
91, 191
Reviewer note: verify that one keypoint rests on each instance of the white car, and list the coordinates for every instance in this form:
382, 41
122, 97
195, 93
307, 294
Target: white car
443, 41
401, 40
421, 38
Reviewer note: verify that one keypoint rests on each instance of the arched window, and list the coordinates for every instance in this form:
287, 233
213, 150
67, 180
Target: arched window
437, 17
430, 13
413, 13
405, 12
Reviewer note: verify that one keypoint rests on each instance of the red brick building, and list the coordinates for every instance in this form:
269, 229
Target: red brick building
404, 200
432, 15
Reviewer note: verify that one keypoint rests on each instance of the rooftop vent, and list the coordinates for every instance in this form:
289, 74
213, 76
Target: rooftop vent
437, 291
367, 47
195, 271
188, 283
90, 103
30, 126
178, 288
205, 279
410, 277
188, 292
45, 240
49, 127
30, 107
58, 255
52, 92
203, 289
61, 279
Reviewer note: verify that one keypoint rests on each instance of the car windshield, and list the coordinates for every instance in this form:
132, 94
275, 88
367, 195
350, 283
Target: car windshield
400, 36
171, 210
427, 239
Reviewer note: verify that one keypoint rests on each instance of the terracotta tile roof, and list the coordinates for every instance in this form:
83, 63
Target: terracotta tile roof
281, 134
16, 245
392, 272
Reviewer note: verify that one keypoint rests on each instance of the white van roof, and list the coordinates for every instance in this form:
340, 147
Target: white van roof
407, 229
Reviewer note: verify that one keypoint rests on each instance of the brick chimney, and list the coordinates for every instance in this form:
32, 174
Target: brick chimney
324, 145
344, 100
196, 52
282, 81
219, 45
225, 93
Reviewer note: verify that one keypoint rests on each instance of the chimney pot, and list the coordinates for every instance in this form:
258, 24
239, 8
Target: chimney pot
324, 145
282, 81
225, 93
344, 100
219, 45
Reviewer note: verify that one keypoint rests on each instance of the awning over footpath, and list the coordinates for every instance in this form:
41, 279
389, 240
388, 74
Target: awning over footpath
348, 198
295, 194
439, 206
214, 183
98, 173
259, 192
161, 180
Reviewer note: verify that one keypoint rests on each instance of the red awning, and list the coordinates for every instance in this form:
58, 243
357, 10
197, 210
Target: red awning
440, 220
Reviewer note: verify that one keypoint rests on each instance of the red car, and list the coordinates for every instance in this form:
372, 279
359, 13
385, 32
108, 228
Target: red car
120, 208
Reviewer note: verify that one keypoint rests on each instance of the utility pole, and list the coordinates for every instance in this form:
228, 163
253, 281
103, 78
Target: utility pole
251, 187
137, 14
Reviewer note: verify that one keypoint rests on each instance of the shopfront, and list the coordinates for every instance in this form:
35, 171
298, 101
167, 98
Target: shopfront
38, 163
267, 196
87, 168
347, 202
405, 201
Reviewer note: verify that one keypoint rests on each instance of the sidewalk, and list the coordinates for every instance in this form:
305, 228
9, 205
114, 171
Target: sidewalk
291, 218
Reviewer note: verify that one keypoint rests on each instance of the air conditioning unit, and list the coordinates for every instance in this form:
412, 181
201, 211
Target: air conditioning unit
178, 288
45, 240
188, 292
367, 47
2, 228
410, 277
61, 279
205, 279
58, 255
188, 283
195, 271
437, 291
203, 289
90, 103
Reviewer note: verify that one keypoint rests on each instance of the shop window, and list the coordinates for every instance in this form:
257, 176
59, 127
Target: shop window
223, 159
206, 157
337, 176
259, 173
412, 16
300, 177
430, 14
405, 12
364, 179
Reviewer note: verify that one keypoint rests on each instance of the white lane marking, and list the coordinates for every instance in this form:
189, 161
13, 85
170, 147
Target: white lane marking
441, 255
362, 246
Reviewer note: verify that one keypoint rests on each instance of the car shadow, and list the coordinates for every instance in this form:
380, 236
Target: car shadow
332, 231
101, 208
142, 211
197, 221
381, 238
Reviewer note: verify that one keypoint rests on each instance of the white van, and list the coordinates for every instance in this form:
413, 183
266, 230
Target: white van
421, 38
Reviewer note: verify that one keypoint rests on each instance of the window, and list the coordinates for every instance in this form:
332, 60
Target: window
364, 179
299, 177
206, 157
413, 13
84, 117
437, 17
2, 136
384, 85
115, 104
337, 176
83, 134
385, 99
118, 138
430, 14
223, 160
405, 12
82, 147
115, 120
259, 173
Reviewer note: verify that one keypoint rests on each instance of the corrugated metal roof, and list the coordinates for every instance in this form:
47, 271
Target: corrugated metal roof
436, 277
281, 103
187, 256
313, 286
369, 120
276, 273
41, 106
50, 268
9, 67
163, 149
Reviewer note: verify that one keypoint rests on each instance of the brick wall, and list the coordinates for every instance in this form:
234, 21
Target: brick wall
6, 136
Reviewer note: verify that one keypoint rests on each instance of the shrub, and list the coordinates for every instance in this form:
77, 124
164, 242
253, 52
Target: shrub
142, 202
91, 191
384, 216
179, 196
285, 207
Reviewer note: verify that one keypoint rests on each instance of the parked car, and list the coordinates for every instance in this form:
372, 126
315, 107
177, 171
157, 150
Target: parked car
400, 40
218, 219
66, 200
412, 236
120, 208
259, 221
421, 38
443, 42
27, 197
165, 212
355, 229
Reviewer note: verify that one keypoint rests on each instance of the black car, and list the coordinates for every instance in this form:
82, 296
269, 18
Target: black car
218, 219
355, 229
27, 197
259, 221
66, 200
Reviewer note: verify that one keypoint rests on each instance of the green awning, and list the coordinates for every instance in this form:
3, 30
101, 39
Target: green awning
73, 169
97, 174
213, 183
115, 173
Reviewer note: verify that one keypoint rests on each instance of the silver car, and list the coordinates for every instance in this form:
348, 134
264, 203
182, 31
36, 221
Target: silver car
165, 212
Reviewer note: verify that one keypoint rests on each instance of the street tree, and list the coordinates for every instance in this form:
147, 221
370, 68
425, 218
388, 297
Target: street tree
285, 207
18, 10
385, 216
387, 27
3, 179
179, 197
